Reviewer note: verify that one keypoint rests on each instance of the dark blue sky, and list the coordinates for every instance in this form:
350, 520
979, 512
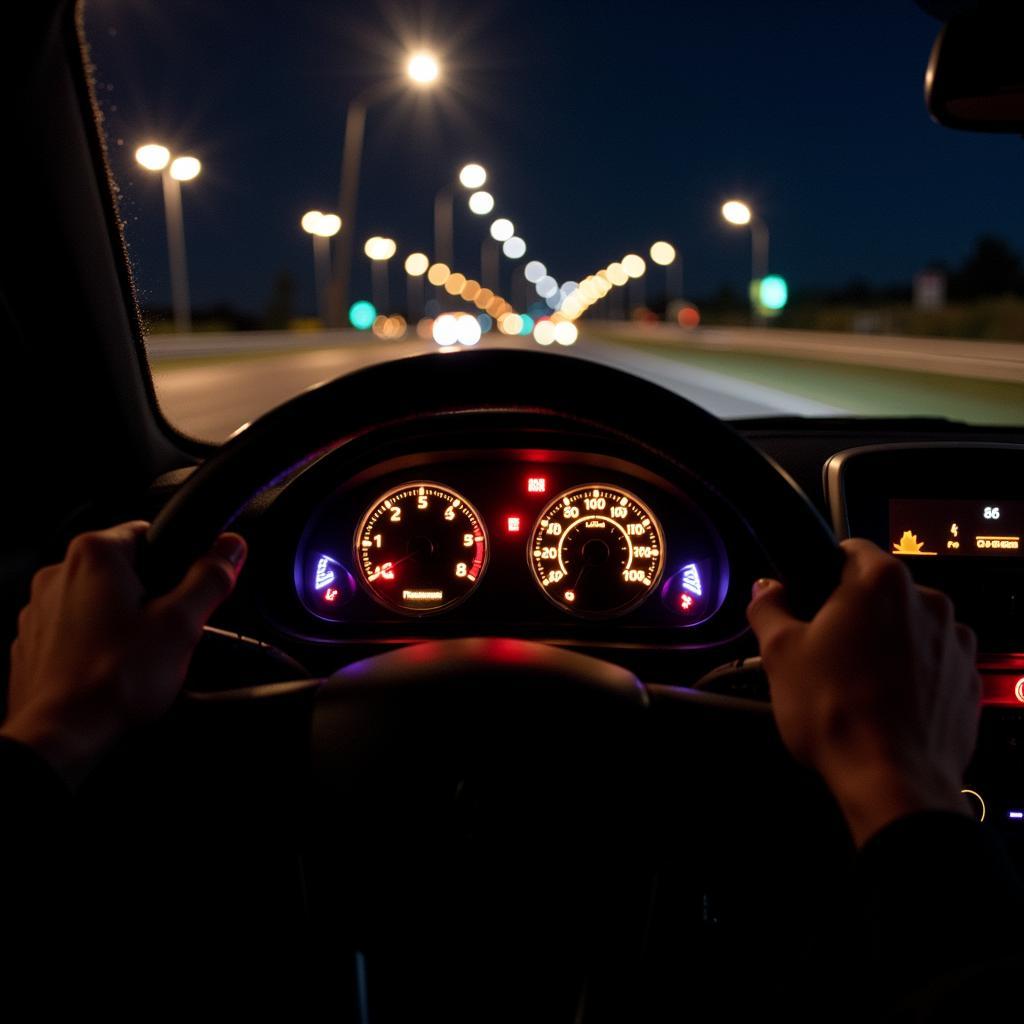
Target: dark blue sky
605, 127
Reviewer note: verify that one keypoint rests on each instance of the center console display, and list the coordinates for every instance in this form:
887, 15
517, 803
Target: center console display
941, 527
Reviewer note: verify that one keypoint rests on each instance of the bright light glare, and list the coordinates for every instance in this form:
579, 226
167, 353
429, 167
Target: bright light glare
546, 287
663, 253
510, 323
502, 229
736, 212
416, 264
566, 333
328, 225
481, 202
544, 332
455, 283
446, 330
153, 157
534, 271
311, 221
185, 168
472, 176
378, 248
633, 265
438, 274
423, 68
616, 274
514, 247
467, 329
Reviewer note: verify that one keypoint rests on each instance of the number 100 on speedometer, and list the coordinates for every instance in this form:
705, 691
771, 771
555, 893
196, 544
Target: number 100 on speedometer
597, 551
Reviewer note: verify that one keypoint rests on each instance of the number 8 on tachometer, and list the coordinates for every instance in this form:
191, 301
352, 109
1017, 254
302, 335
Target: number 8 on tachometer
597, 550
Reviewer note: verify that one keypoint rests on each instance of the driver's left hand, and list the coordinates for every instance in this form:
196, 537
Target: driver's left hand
94, 657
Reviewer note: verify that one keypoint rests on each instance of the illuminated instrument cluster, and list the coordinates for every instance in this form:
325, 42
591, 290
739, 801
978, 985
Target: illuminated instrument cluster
511, 543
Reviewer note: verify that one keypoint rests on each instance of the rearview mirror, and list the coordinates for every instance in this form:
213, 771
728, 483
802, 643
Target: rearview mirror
975, 77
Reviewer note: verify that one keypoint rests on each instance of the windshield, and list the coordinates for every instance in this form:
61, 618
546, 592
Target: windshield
745, 203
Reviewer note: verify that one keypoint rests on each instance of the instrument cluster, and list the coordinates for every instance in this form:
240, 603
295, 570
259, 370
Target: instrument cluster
506, 541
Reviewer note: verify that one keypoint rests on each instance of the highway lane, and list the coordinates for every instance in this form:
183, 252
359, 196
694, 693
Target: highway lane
209, 386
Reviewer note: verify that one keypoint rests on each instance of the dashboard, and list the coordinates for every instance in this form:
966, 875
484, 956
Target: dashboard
511, 525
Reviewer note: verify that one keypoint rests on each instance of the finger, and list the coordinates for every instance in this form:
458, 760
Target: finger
769, 616
206, 584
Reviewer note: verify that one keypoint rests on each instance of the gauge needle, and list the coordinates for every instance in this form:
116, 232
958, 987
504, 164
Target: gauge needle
391, 566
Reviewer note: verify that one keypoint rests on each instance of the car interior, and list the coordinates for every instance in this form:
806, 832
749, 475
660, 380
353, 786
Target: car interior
506, 793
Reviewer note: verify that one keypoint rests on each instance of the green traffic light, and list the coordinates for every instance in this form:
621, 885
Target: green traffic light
773, 293
362, 314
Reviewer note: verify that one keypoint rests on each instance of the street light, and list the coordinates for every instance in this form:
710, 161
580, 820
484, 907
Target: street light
472, 176
423, 70
380, 250
154, 157
322, 227
740, 214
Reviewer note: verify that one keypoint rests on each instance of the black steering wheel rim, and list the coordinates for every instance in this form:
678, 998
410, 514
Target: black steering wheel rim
792, 532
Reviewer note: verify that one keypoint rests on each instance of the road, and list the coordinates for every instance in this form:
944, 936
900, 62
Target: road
210, 384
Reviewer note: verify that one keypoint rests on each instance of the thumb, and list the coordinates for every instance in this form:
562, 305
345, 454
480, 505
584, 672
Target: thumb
207, 583
769, 615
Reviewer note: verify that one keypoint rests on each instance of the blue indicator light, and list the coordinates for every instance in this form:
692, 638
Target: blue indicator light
1016, 815
325, 575
691, 580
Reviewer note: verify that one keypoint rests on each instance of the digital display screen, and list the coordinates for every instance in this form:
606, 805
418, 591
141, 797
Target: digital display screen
937, 527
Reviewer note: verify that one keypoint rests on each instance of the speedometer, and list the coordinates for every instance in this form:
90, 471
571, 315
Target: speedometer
597, 550
421, 548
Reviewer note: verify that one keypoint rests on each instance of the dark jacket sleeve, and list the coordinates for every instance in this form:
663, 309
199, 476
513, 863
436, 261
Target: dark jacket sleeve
35, 827
942, 909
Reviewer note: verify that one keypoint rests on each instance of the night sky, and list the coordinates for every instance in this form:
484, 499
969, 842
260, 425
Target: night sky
605, 126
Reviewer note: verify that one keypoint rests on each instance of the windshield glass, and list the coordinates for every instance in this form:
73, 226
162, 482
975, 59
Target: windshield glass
745, 203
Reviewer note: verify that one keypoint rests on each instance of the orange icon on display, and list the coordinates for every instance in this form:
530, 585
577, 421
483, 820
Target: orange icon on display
910, 545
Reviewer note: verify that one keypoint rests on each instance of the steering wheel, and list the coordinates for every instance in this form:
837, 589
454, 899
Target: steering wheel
495, 779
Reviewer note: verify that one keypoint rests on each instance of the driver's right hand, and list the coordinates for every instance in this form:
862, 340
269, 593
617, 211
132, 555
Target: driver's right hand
878, 692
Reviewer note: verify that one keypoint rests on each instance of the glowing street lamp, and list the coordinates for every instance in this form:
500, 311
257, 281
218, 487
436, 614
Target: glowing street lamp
423, 71
423, 68
739, 214
472, 176
156, 158
322, 227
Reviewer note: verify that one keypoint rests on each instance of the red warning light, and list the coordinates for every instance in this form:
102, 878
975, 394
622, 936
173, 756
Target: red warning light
685, 602
331, 594
537, 484
513, 524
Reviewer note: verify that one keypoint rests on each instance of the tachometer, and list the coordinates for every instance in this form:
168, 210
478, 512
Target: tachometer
421, 548
597, 550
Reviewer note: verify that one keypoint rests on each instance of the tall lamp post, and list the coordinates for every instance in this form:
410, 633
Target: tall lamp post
665, 255
380, 250
423, 70
154, 157
740, 214
322, 227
